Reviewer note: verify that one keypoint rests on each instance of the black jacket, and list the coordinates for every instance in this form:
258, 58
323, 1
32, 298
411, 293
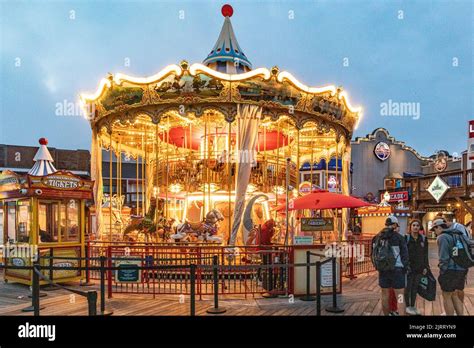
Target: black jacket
417, 253
396, 240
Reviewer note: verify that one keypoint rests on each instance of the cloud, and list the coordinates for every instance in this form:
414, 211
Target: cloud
50, 84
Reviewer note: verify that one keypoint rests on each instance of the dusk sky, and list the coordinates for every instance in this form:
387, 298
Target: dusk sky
416, 51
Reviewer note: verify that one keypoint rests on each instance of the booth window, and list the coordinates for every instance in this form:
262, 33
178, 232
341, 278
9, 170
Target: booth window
48, 216
70, 230
2, 233
23, 230
59, 217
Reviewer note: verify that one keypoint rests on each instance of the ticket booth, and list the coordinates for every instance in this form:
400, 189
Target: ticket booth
45, 215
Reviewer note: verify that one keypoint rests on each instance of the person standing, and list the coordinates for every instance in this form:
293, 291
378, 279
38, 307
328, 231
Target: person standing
390, 258
452, 277
418, 264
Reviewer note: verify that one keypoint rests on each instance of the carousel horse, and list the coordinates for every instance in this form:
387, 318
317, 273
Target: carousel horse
204, 231
143, 225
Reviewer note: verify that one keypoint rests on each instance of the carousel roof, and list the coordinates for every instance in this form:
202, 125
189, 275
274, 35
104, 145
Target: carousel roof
227, 48
43, 161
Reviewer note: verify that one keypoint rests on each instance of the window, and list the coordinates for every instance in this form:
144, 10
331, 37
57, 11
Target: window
59, 221
2, 234
48, 215
71, 231
23, 230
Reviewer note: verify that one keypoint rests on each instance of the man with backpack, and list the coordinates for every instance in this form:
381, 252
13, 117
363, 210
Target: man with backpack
390, 258
455, 257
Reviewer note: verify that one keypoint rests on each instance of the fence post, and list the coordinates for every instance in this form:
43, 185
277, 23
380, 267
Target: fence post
215, 271
308, 297
92, 302
269, 267
109, 271
87, 265
36, 289
193, 289
351, 261
334, 308
318, 288
50, 287
102, 287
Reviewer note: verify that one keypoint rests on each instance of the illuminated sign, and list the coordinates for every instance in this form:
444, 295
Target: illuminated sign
398, 196
382, 151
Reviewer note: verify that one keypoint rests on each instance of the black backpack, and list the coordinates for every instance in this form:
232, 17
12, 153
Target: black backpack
382, 254
461, 249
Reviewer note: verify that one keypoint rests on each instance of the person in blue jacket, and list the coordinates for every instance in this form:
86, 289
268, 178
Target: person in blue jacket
452, 277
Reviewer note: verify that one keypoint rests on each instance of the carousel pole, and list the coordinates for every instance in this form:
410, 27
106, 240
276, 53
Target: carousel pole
145, 169
143, 176
265, 174
138, 196
229, 177
156, 171
167, 167
326, 185
120, 175
287, 198
110, 187
337, 187
277, 169
297, 158
206, 180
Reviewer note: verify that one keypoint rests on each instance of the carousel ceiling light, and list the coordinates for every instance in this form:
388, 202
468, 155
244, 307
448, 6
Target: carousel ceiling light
176, 188
91, 97
285, 75
251, 188
173, 68
196, 68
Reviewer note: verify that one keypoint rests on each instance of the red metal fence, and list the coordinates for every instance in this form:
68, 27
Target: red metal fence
245, 270
358, 261
239, 271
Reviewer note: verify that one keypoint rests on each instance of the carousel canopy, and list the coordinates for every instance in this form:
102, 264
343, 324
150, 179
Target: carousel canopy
43, 161
172, 111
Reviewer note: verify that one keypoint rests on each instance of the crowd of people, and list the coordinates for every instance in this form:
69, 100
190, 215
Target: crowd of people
402, 261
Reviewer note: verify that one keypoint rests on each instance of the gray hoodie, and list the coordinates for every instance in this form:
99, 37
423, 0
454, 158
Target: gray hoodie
445, 244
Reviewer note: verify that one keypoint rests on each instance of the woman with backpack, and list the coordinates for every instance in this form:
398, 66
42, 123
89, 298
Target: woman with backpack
418, 264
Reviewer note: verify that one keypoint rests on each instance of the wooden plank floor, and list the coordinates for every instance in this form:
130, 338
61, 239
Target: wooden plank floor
361, 296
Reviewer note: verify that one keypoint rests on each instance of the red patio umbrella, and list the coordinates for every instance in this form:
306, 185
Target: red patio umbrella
322, 199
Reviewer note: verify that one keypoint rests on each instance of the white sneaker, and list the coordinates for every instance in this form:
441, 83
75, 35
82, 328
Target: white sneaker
417, 311
411, 311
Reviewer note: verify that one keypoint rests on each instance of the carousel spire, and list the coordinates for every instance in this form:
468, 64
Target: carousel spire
226, 51
43, 160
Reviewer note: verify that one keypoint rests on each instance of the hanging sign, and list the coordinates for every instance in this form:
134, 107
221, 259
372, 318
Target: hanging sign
317, 224
438, 188
61, 181
9, 181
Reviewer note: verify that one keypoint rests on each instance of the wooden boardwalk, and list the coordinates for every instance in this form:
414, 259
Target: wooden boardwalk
360, 296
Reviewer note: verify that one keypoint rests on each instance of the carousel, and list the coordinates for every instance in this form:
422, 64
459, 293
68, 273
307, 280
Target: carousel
217, 146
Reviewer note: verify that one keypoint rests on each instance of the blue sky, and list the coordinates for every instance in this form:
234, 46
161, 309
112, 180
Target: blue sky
48, 57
